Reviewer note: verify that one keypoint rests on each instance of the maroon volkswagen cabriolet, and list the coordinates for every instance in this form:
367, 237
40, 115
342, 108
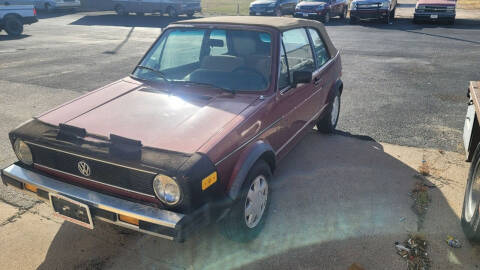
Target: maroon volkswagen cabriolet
192, 136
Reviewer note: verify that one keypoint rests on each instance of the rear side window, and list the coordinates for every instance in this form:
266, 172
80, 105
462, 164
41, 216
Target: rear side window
298, 50
321, 52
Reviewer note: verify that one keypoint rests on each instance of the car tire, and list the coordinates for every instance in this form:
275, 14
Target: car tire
278, 12
388, 18
344, 13
353, 20
13, 26
239, 226
451, 21
120, 10
328, 122
326, 18
172, 12
49, 8
190, 14
470, 211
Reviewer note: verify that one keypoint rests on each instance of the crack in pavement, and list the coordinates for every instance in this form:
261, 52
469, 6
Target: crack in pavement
20, 212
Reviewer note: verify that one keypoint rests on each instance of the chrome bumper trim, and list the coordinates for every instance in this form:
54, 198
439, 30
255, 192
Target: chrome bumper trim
116, 205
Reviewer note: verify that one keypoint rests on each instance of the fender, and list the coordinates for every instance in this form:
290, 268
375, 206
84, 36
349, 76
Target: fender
338, 85
245, 162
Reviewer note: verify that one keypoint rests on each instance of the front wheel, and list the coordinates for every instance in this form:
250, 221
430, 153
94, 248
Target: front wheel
326, 18
471, 201
247, 217
328, 122
13, 26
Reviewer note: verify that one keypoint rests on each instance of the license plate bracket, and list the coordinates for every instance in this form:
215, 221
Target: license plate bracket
71, 210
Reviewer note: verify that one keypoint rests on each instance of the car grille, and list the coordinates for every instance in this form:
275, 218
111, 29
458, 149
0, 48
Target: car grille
115, 175
434, 9
369, 6
307, 8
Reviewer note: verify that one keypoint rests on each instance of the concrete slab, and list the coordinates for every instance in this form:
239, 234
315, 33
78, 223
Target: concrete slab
7, 211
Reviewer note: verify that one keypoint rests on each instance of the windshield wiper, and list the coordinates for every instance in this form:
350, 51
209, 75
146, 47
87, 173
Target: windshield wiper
205, 84
162, 75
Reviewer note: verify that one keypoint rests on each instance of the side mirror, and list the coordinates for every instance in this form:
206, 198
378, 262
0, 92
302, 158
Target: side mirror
301, 77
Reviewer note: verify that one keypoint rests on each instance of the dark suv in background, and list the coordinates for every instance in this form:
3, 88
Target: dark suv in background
273, 7
321, 9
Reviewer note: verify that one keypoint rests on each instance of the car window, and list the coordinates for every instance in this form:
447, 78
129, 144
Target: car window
204, 57
182, 48
298, 51
219, 46
321, 52
284, 79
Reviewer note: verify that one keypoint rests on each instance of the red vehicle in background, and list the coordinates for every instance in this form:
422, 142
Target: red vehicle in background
435, 10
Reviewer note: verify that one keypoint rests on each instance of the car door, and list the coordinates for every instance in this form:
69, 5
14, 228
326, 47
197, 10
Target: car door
324, 75
293, 101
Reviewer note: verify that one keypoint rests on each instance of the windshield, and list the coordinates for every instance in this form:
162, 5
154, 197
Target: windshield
235, 60
322, 1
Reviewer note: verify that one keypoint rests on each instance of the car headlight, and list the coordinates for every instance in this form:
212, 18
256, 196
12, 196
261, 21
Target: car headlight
271, 5
23, 152
167, 189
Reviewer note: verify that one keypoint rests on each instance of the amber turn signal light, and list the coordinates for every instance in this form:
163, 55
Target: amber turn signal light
127, 219
31, 188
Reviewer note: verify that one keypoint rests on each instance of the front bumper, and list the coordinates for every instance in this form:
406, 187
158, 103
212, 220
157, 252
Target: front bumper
369, 13
262, 11
434, 16
154, 221
310, 15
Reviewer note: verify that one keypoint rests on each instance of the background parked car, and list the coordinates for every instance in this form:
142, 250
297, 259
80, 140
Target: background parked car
12, 18
48, 5
273, 7
172, 8
321, 9
372, 9
440, 10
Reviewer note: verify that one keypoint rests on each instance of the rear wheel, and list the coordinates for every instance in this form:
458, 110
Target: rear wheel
172, 12
247, 217
49, 8
120, 10
13, 26
471, 202
344, 13
328, 122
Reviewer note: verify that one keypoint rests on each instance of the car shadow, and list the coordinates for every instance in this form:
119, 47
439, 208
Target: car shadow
128, 21
42, 14
4, 36
336, 200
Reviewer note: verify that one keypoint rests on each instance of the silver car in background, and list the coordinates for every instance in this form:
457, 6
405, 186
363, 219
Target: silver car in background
171, 7
48, 5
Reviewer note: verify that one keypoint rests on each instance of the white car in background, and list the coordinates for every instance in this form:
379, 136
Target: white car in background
48, 5
12, 18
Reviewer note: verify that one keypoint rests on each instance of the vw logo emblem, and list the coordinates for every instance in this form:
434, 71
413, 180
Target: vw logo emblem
84, 168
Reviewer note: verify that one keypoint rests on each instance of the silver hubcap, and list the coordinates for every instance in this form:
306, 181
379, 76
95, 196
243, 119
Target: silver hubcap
335, 111
473, 198
256, 201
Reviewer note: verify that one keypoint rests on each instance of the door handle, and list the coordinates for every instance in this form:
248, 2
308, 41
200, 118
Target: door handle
317, 81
